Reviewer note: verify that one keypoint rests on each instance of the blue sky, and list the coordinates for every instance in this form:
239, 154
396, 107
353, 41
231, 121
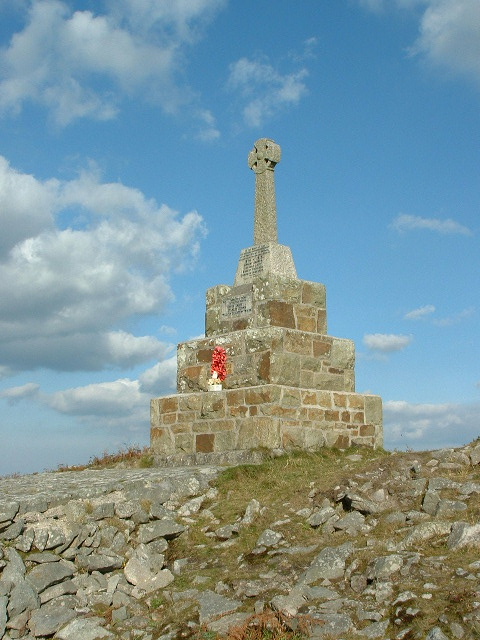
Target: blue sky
125, 127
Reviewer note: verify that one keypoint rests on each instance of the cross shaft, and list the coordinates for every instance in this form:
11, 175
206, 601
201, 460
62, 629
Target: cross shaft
262, 160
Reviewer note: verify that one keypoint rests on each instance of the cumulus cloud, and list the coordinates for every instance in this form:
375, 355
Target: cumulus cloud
94, 256
405, 222
428, 425
104, 398
449, 36
118, 409
78, 64
113, 403
448, 32
28, 204
386, 342
263, 90
161, 378
420, 313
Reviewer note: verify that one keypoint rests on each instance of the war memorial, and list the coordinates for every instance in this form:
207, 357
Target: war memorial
289, 385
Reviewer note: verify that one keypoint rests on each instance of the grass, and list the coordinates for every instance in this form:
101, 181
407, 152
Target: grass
272, 625
288, 484
131, 455
283, 486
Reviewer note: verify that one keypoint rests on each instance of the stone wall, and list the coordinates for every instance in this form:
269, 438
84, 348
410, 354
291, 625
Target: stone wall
270, 355
271, 416
269, 301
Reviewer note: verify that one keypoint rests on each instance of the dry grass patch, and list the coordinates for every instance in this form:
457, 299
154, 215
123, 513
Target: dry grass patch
131, 456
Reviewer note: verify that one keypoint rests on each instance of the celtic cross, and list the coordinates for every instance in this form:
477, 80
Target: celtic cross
262, 160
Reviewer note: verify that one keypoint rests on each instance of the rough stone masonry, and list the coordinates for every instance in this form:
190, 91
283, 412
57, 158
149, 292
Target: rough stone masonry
290, 384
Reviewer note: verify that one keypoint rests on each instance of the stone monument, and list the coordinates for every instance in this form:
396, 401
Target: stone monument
289, 385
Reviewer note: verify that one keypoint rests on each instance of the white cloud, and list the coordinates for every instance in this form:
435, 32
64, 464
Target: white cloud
379, 5
386, 342
119, 407
105, 398
78, 64
263, 90
372, 5
14, 394
66, 291
421, 312
405, 222
449, 32
207, 126
181, 20
26, 206
429, 426
113, 403
455, 318
161, 378
449, 36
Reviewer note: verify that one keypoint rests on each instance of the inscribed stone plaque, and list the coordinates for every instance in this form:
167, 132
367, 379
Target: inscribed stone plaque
263, 259
253, 260
237, 306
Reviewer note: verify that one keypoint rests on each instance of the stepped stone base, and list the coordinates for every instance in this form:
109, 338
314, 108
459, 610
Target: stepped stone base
270, 416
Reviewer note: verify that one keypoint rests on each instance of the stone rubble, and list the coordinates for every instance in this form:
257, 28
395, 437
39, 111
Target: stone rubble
85, 554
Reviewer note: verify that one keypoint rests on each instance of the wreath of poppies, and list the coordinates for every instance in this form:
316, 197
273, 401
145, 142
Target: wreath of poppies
219, 359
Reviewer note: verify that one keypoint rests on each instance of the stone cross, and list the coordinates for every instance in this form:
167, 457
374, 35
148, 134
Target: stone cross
262, 159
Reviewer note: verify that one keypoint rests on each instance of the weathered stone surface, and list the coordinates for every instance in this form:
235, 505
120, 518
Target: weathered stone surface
383, 578
13, 531
46, 575
23, 596
333, 625
374, 630
3, 614
450, 507
83, 629
167, 529
430, 502
145, 570
42, 557
223, 625
103, 562
212, 605
8, 511
463, 535
386, 565
15, 570
49, 619
436, 634
299, 596
425, 531
226, 532
269, 538
474, 454
351, 523
330, 563
251, 512
58, 590
321, 516
360, 503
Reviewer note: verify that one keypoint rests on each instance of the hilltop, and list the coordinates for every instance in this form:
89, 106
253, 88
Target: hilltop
334, 544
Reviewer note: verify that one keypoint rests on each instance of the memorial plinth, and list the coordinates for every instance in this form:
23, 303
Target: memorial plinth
289, 384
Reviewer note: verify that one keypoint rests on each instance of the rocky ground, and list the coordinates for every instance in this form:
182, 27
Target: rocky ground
355, 544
